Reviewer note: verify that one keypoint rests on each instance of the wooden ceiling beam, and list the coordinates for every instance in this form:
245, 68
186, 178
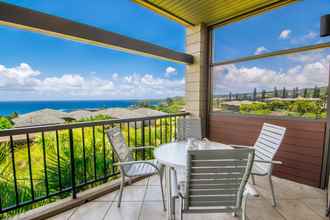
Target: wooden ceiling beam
27, 19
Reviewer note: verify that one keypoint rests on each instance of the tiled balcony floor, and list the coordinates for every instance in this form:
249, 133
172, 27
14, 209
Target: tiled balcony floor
142, 200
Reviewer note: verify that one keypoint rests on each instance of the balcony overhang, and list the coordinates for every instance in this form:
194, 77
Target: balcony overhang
26, 19
211, 12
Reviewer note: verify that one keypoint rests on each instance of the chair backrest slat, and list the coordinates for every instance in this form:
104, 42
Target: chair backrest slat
268, 143
217, 178
119, 145
189, 128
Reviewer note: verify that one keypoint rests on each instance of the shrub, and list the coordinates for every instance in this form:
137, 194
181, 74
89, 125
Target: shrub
278, 105
303, 106
5, 123
262, 112
256, 106
95, 118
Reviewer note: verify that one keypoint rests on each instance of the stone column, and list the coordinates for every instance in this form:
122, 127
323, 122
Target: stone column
196, 76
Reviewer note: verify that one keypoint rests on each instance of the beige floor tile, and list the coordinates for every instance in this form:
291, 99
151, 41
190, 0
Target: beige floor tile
285, 189
260, 209
91, 210
294, 210
64, 216
143, 200
153, 193
152, 211
108, 197
132, 194
215, 216
154, 180
127, 211
143, 182
317, 205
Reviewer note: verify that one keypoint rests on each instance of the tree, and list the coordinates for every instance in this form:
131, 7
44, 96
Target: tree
230, 96
275, 92
169, 101
218, 102
297, 92
284, 93
13, 115
263, 94
245, 96
305, 93
143, 104
316, 92
254, 96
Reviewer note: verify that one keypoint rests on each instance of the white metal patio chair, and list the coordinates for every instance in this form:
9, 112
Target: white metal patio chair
189, 128
216, 181
266, 146
128, 166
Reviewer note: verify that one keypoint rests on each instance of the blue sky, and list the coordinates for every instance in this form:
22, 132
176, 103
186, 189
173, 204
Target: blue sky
54, 57
38, 67
288, 27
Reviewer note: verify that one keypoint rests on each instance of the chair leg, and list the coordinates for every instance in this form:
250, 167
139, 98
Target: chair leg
161, 188
162, 171
181, 208
272, 190
243, 208
173, 205
253, 179
121, 189
129, 181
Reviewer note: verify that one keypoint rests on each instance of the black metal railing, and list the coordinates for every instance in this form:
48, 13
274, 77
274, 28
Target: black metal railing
48, 162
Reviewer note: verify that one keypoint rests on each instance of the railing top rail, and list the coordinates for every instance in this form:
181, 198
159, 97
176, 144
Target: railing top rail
44, 128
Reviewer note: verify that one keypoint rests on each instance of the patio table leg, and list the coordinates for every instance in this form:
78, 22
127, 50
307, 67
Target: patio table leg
168, 193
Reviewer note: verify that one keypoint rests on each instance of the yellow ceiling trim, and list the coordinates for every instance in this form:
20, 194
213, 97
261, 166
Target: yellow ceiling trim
164, 12
251, 13
233, 17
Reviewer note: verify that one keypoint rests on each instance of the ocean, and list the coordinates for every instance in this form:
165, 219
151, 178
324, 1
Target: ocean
22, 107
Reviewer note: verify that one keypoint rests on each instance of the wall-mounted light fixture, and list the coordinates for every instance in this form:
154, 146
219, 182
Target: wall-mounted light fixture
325, 26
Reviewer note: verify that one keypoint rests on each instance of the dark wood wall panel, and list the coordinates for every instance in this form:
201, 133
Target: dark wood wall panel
301, 151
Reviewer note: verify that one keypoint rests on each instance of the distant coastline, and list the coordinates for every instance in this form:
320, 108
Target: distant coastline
22, 107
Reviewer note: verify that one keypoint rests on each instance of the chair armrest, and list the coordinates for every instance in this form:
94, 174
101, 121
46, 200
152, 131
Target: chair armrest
266, 161
136, 162
128, 163
242, 147
141, 148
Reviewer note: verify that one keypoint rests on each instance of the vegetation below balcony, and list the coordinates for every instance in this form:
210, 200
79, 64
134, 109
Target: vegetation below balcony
43, 164
305, 103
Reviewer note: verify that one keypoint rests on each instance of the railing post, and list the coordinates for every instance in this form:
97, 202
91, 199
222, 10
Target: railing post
73, 173
143, 140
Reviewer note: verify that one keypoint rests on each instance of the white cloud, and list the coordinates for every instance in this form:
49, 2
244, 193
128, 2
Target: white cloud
285, 34
307, 57
26, 83
311, 35
308, 37
235, 79
170, 71
260, 50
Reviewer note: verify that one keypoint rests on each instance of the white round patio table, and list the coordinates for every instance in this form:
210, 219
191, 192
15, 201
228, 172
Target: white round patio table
174, 155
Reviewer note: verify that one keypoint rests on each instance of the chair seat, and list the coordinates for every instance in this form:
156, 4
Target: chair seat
142, 169
258, 170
